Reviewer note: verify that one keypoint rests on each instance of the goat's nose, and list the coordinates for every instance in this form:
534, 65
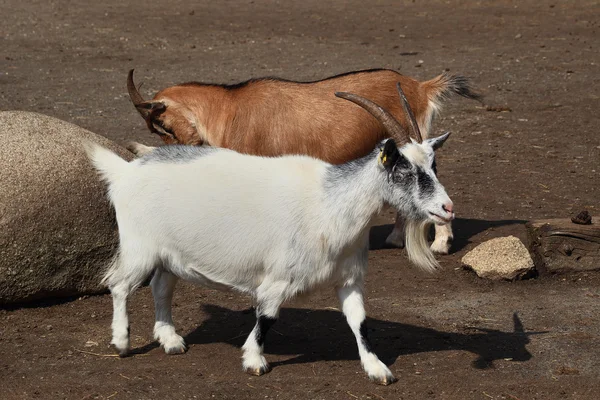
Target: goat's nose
448, 207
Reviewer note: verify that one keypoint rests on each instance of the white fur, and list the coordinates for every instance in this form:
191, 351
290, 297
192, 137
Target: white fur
443, 233
270, 227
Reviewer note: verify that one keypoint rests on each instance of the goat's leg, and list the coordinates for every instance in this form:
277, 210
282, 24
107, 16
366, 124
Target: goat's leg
441, 244
120, 321
443, 239
396, 238
270, 296
126, 274
353, 307
163, 285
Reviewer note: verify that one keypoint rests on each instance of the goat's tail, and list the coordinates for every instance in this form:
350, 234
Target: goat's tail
445, 85
108, 164
111, 274
417, 246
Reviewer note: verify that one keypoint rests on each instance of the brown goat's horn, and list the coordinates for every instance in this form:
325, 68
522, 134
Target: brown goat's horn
409, 114
388, 121
134, 95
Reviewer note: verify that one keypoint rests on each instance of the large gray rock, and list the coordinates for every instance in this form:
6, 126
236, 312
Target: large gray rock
500, 258
57, 230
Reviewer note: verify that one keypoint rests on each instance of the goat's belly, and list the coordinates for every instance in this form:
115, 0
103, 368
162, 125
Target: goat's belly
223, 281
215, 270
201, 279
194, 275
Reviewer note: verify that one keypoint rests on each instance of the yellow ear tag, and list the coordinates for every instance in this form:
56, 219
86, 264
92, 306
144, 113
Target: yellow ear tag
382, 157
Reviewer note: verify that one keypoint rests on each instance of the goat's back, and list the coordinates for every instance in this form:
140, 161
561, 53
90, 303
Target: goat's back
217, 204
273, 117
307, 118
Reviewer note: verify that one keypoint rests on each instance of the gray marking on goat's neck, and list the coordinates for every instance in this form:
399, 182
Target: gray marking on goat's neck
176, 153
363, 186
343, 174
353, 193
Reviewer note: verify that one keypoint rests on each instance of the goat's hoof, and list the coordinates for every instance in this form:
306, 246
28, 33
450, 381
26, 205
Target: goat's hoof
174, 345
121, 352
440, 247
385, 380
176, 350
258, 371
394, 241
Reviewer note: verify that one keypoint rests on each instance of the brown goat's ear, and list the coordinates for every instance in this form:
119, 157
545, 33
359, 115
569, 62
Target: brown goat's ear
389, 155
153, 108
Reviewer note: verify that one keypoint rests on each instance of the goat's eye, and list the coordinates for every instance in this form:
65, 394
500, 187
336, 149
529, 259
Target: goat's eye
434, 166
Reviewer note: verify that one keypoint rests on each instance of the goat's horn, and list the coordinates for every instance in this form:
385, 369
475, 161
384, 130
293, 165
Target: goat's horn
388, 121
134, 95
409, 114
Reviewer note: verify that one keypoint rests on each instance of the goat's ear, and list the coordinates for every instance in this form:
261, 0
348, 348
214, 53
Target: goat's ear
439, 141
151, 107
389, 155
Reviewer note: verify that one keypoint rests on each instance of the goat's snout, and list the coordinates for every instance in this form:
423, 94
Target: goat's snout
448, 207
443, 216
449, 210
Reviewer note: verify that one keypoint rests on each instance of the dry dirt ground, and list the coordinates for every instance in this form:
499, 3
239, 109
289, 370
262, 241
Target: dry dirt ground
445, 336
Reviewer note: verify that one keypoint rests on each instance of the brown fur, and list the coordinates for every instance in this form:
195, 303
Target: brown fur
272, 117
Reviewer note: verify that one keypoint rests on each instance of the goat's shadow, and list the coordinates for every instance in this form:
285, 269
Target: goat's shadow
315, 335
463, 228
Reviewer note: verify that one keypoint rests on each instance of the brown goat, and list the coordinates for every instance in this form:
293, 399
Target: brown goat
272, 117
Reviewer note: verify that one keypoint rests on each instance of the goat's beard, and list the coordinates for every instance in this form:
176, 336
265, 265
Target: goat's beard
417, 246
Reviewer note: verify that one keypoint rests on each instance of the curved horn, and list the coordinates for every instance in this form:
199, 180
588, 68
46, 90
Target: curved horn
388, 121
134, 95
409, 115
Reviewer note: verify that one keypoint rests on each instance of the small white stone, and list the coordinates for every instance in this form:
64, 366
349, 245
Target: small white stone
499, 258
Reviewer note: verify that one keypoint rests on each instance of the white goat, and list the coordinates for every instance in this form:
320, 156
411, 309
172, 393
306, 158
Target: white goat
270, 227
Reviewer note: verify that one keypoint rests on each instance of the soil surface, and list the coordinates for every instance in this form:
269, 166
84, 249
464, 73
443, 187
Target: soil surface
533, 153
